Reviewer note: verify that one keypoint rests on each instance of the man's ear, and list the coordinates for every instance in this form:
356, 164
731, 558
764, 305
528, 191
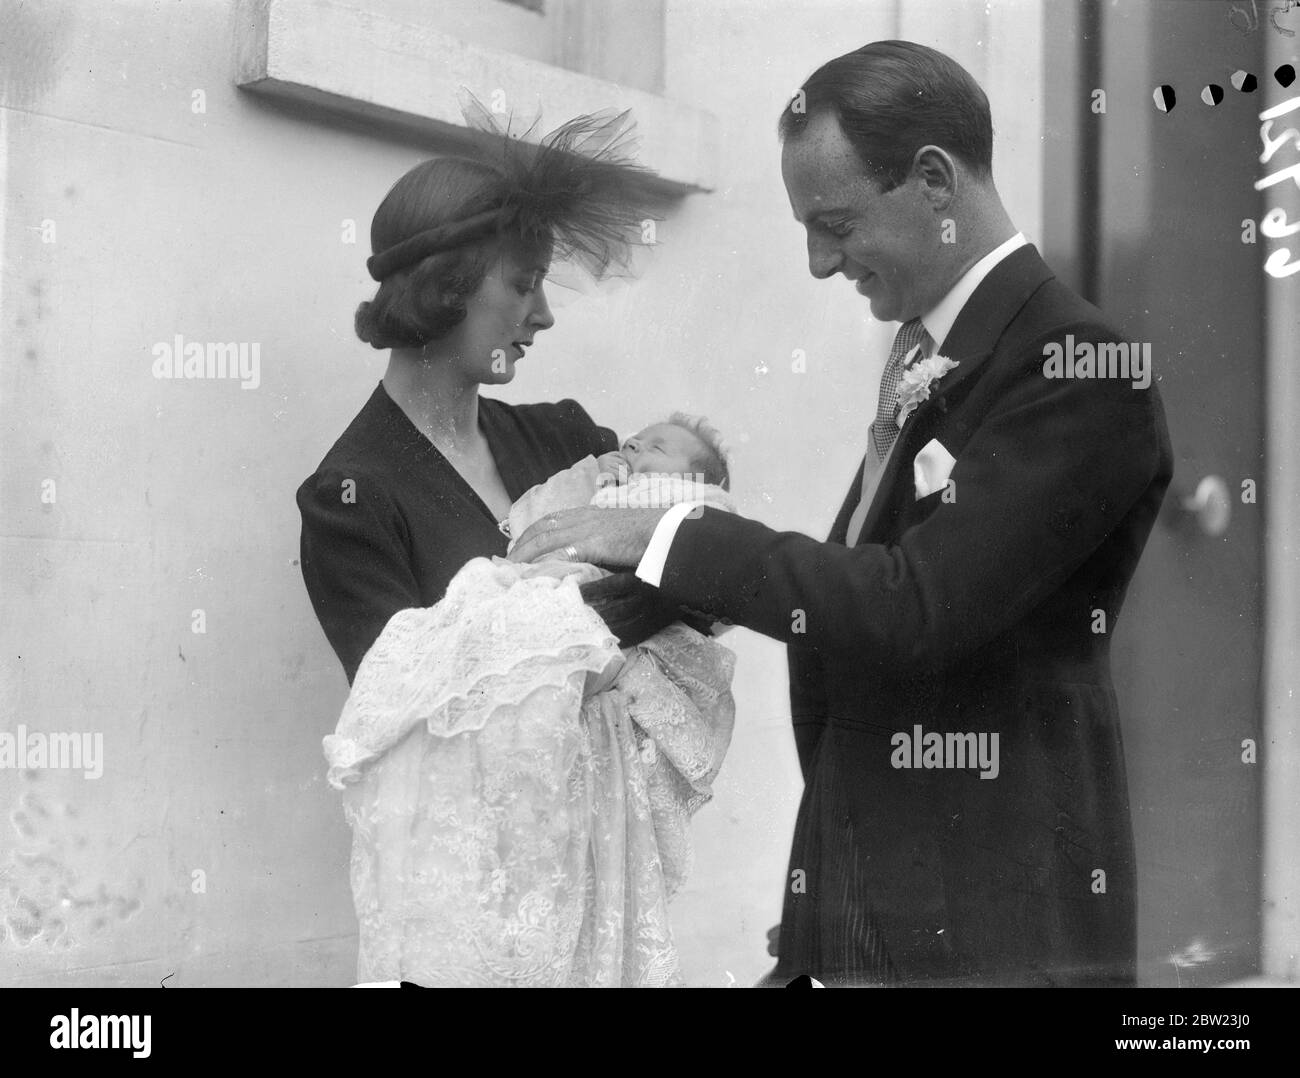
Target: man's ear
937, 171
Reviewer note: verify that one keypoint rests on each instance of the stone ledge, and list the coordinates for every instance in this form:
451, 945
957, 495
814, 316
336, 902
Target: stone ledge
353, 63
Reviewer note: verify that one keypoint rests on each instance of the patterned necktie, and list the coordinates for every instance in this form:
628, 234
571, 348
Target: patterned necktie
884, 431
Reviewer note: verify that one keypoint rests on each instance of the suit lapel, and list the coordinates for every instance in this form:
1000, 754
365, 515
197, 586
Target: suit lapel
840, 529
973, 337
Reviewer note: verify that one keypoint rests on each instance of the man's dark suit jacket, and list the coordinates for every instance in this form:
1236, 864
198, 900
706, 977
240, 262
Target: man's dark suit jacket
970, 611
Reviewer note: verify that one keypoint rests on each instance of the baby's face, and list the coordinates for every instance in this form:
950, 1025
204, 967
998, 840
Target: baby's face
663, 447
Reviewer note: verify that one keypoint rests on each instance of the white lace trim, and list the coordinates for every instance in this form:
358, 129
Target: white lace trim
519, 790
490, 641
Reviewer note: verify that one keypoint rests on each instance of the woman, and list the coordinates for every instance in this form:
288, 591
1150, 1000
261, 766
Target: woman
417, 484
497, 854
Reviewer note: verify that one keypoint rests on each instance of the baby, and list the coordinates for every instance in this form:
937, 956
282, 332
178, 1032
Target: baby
686, 446
519, 786
681, 459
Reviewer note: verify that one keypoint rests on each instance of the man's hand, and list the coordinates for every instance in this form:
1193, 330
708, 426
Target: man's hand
608, 537
632, 609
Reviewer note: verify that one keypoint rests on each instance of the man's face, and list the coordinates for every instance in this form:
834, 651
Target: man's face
885, 242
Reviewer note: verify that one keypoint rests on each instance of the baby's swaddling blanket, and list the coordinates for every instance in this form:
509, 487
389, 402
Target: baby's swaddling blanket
576, 486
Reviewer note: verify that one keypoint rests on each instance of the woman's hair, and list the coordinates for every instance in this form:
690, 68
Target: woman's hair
714, 462
425, 301
893, 97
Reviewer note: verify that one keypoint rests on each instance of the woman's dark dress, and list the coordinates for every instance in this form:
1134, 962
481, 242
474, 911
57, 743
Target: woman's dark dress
387, 521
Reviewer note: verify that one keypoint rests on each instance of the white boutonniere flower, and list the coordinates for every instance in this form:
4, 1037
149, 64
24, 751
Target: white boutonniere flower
914, 386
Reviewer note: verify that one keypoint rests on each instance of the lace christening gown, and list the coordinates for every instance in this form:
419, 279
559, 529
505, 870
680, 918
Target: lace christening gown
519, 788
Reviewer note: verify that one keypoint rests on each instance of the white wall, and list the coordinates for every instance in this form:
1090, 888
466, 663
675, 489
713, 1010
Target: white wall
177, 496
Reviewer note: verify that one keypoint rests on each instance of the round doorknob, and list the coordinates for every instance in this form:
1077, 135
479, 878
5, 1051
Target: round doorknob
1210, 506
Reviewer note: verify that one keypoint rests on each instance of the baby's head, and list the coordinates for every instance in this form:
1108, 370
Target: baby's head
683, 445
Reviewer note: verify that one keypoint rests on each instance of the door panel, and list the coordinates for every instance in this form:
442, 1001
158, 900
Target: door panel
1159, 248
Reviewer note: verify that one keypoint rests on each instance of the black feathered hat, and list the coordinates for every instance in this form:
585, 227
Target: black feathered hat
577, 188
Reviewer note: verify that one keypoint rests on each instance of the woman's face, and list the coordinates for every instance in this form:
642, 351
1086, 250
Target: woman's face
501, 319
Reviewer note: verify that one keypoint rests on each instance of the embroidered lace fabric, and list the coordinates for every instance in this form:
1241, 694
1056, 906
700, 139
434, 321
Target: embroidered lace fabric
519, 789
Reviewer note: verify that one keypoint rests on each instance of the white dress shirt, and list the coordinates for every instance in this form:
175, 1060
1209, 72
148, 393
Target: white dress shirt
938, 323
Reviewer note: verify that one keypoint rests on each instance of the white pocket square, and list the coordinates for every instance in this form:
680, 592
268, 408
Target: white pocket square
931, 468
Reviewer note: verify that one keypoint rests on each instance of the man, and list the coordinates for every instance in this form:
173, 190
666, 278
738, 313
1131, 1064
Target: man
965, 815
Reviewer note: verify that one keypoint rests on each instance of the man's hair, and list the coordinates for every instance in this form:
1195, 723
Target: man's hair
712, 461
893, 97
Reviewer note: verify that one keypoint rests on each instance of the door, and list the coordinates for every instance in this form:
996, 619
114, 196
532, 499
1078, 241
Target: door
1149, 207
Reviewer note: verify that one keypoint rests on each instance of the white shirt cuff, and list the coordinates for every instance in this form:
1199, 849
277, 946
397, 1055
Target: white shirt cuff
651, 567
